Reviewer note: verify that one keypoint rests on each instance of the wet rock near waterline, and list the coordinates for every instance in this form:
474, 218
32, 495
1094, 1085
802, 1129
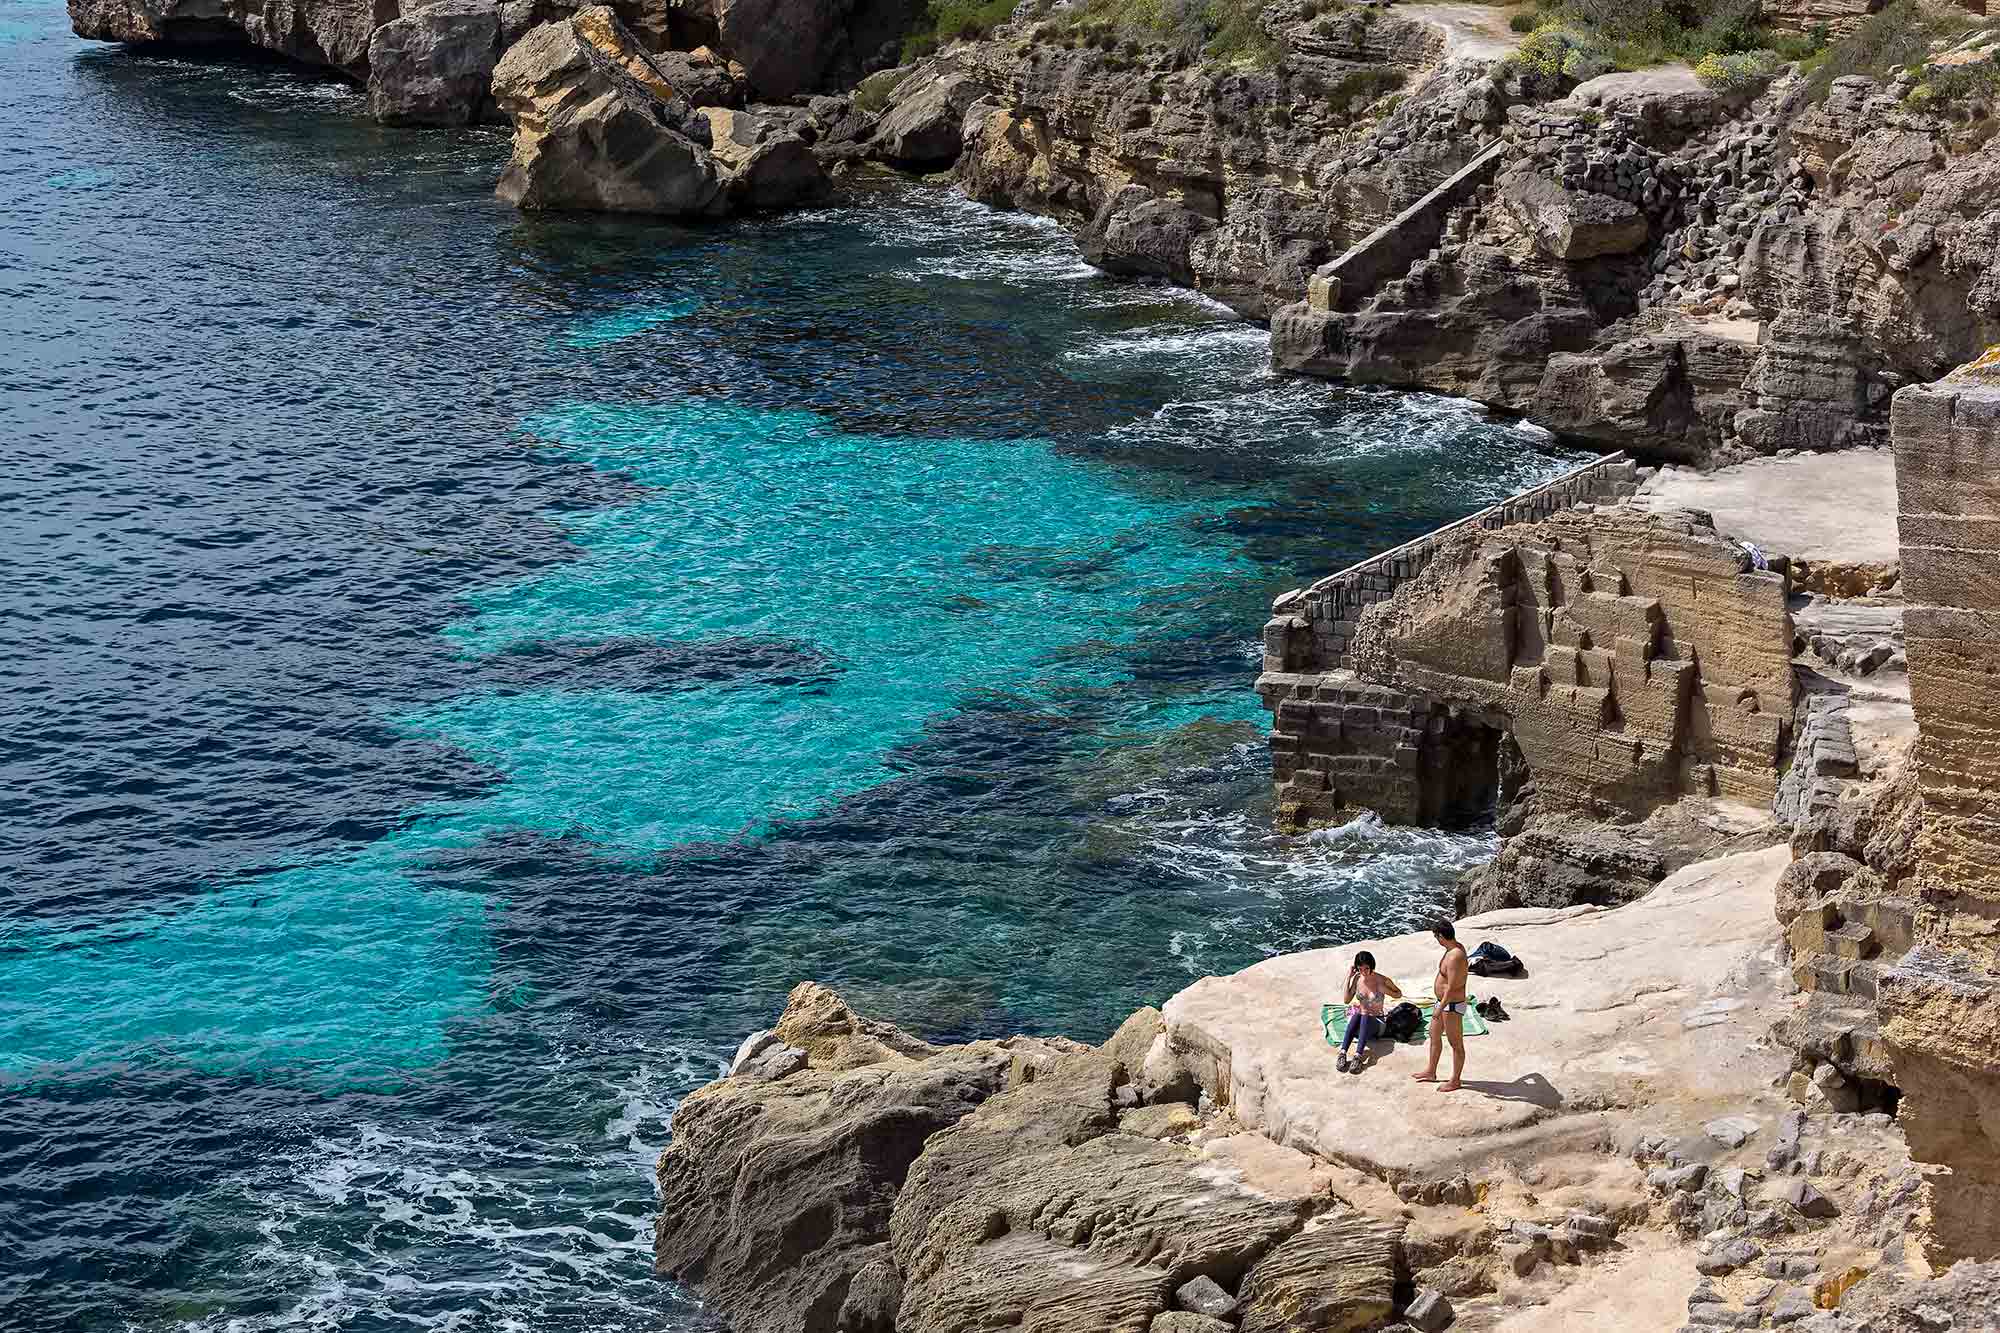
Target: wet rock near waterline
764, 159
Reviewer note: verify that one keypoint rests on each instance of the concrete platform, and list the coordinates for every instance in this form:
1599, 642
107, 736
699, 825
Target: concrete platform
1643, 1005
1839, 506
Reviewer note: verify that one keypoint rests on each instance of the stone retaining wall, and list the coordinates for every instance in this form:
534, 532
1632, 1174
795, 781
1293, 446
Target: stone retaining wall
1310, 628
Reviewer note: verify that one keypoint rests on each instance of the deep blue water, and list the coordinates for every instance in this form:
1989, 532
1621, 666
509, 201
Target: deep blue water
460, 670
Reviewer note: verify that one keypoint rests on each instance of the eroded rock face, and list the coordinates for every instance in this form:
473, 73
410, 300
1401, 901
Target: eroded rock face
1572, 225
997, 1185
330, 33
598, 127
434, 65
1937, 1006
924, 127
1590, 665
1238, 182
789, 47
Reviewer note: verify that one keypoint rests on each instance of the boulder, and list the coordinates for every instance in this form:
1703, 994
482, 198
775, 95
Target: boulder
1136, 234
1187, 1321
1808, 879
598, 128
1337, 1274
702, 78
1572, 224
1204, 1295
1809, 1202
1430, 1311
764, 162
789, 47
1134, 1039
434, 65
923, 128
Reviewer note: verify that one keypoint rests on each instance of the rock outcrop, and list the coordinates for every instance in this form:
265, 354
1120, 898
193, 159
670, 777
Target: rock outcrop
789, 47
1940, 1005
601, 125
434, 65
764, 159
1701, 277
1023, 1183
597, 126
1238, 181
330, 33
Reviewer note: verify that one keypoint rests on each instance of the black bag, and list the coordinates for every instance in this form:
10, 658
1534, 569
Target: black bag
1490, 960
1403, 1022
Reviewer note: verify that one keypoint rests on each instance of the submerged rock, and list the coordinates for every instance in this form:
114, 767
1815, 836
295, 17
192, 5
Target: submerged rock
598, 127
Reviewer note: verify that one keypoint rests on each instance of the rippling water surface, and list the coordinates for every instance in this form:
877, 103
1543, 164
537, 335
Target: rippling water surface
462, 669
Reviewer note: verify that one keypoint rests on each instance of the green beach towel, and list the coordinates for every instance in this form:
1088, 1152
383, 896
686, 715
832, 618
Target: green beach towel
1333, 1019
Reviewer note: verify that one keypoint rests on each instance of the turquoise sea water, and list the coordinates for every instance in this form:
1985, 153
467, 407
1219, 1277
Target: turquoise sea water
465, 668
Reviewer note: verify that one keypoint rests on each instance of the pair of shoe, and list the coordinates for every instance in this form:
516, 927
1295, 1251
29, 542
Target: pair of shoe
1490, 1008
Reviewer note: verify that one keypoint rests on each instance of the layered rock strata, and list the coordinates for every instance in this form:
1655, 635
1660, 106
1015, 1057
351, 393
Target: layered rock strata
1583, 666
1940, 1005
334, 34
870, 1181
1618, 1142
1690, 275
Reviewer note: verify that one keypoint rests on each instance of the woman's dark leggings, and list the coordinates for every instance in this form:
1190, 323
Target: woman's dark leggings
1358, 1031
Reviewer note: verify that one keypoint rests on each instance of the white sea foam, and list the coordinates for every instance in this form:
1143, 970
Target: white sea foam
1216, 342
381, 1225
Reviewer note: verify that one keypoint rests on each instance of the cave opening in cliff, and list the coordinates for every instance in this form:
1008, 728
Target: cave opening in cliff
1471, 770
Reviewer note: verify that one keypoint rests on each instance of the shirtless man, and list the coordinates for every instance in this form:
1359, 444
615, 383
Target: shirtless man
1448, 1018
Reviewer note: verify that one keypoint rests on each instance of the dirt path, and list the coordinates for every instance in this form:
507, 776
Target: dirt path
1471, 32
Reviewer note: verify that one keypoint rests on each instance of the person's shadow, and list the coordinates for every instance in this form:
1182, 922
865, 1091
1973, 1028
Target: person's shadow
1531, 1088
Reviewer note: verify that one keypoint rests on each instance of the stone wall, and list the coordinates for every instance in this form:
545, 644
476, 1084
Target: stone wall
1310, 628
1605, 660
1940, 1007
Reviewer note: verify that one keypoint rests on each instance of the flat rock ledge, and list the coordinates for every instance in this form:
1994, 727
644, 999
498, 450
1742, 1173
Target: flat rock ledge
1618, 1145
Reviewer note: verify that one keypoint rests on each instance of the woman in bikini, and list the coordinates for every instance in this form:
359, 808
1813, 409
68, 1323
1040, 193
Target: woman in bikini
1367, 992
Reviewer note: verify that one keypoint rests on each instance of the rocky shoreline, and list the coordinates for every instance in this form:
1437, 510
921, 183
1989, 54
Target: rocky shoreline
1756, 1092
1768, 747
1686, 272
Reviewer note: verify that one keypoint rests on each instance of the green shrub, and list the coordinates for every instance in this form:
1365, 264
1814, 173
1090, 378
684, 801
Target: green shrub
1563, 51
1739, 71
949, 20
1638, 33
1963, 83
1899, 34
1236, 34
1523, 22
1226, 31
1370, 81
